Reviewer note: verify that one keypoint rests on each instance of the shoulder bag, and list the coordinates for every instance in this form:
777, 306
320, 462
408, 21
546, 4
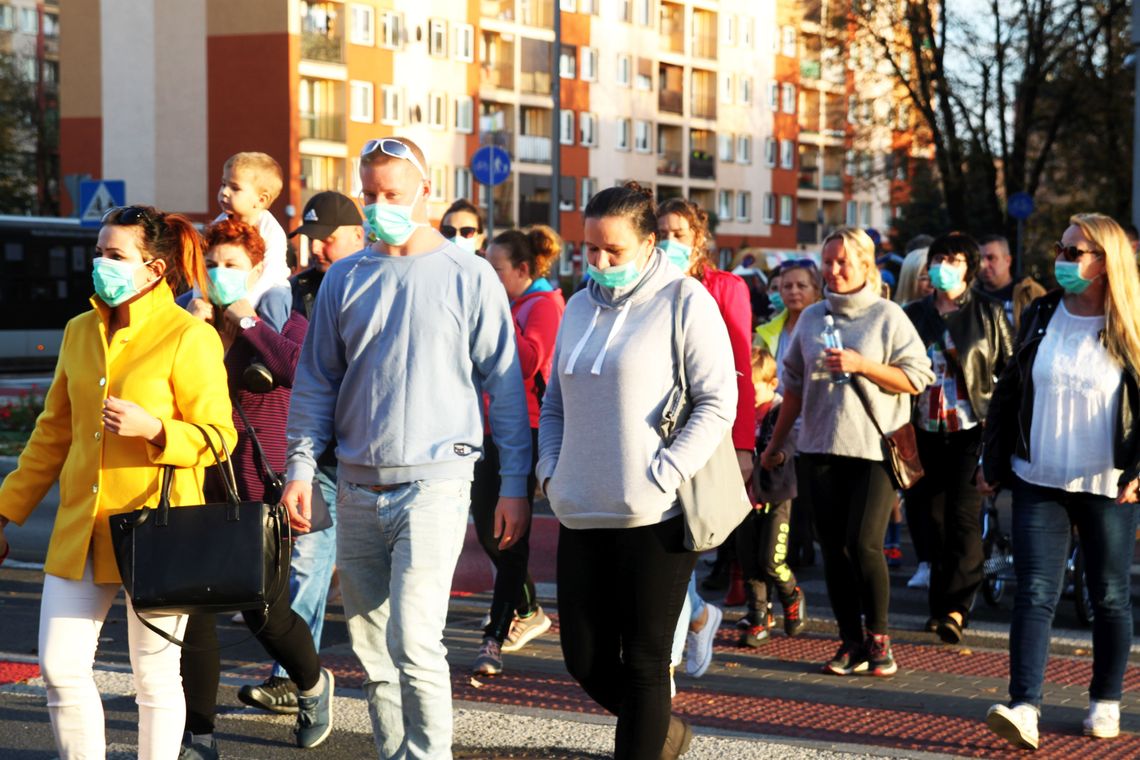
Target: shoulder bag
714, 501
900, 448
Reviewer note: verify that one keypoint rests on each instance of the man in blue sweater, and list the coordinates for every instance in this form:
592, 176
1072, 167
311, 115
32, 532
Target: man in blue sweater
403, 337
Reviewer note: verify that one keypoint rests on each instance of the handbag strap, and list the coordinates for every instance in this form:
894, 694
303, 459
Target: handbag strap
225, 467
259, 452
679, 339
675, 402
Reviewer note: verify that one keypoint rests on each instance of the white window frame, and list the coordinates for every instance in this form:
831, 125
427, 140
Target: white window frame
588, 66
725, 149
787, 154
567, 203
730, 22
570, 6
771, 152
744, 87
624, 133
643, 12
747, 28
727, 87
464, 38
787, 207
437, 110
7, 18
29, 21
588, 188
725, 200
568, 64
392, 29
566, 132
366, 92
788, 41
464, 121
744, 149
624, 69
463, 186
438, 176
437, 37
642, 129
744, 206
588, 129
788, 97
851, 215
769, 208
392, 96
773, 95
865, 214
362, 29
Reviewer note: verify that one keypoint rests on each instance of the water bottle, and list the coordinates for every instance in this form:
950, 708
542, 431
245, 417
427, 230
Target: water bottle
832, 339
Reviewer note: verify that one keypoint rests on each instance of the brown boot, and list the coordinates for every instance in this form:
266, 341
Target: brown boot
677, 740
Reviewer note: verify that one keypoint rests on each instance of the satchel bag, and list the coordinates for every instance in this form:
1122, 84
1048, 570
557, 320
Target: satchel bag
714, 501
218, 558
900, 448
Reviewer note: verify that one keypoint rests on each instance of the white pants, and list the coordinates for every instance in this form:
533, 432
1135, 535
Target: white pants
71, 617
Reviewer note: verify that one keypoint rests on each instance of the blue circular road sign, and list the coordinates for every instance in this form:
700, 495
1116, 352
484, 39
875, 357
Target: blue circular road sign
1020, 205
491, 165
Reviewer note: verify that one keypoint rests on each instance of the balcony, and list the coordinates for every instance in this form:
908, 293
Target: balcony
533, 149
533, 212
807, 232
833, 182
704, 107
500, 76
809, 69
704, 46
670, 163
535, 82
322, 127
671, 29
701, 165
317, 46
670, 101
500, 9
809, 177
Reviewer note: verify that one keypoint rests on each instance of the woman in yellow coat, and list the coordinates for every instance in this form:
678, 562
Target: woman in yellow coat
133, 374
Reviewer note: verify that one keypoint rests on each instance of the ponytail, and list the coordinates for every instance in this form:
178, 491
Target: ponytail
538, 248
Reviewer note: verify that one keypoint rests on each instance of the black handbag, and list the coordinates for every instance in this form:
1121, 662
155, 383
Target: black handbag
210, 558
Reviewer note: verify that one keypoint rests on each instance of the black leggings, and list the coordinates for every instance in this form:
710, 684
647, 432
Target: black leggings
947, 498
514, 590
286, 639
801, 535
853, 500
620, 592
762, 543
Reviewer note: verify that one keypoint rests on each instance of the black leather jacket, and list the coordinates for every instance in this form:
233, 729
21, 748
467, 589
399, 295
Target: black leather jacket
1011, 410
982, 336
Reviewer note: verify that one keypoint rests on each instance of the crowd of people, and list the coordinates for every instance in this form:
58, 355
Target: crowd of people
414, 376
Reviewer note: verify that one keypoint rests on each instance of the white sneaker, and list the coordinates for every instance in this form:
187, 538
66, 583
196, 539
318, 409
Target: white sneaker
700, 644
1103, 721
921, 577
1017, 724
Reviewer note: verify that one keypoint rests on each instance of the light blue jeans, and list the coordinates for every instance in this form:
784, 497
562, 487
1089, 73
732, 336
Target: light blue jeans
691, 611
397, 552
314, 557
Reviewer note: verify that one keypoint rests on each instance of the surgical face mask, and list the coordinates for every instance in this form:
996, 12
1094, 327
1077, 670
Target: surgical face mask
227, 285
945, 278
115, 280
1068, 274
464, 243
390, 223
678, 253
615, 277
776, 300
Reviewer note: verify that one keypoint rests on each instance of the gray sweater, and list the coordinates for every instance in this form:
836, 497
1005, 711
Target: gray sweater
597, 437
833, 419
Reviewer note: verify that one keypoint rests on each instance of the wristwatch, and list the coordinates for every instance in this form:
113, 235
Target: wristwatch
247, 322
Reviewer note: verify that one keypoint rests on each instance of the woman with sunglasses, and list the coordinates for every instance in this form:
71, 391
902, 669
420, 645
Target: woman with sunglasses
969, 341
462, 224
851, 488
135, 375
798, 286
1063, 433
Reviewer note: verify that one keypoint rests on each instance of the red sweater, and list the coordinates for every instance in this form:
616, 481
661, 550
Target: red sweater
537, 317
731, 296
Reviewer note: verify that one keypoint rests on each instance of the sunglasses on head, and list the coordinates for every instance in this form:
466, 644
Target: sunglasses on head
127, 215
449, 232
1071, 252
394, 148
795, 264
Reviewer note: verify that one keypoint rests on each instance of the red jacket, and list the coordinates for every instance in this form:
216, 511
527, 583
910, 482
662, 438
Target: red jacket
731, 296
537, 317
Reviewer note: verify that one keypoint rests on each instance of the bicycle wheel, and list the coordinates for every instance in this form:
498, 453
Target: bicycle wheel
998, 561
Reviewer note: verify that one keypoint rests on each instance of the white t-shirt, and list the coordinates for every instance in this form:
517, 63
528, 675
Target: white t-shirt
1076, 398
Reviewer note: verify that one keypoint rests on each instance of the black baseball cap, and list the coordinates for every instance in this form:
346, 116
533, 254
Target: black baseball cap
325, 212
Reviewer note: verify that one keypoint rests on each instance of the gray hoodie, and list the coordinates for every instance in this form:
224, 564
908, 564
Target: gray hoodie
597, 437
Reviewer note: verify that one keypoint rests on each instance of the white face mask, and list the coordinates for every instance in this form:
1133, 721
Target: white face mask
465, 244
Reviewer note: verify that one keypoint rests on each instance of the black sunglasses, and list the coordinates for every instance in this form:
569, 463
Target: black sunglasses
127, 215
449, 232
1071, 252
795, 264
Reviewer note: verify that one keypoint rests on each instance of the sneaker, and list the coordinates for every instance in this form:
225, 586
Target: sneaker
755, 636
921, 577
699, 644
845, 659
192, 750
523, 630
276, 694
489, 661
315, 714
745, 622
876, 659
1017, 724
795, 614
1103, 721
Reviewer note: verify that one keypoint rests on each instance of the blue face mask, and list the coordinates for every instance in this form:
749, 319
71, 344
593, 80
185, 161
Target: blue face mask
945, 278
115, 280
678, 253
776, 300
1068, 274
391, 224
615, 277
227, 285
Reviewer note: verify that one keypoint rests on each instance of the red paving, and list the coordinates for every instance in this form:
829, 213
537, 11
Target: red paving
18, 672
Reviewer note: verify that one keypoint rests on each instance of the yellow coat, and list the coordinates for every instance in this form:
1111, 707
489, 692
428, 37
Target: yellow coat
167, 362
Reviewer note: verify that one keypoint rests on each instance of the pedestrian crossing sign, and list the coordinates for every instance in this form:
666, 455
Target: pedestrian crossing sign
97, 197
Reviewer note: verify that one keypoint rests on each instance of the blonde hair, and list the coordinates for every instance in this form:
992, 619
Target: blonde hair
858, 243
267, 174
912, 266
1121, 322
763, 364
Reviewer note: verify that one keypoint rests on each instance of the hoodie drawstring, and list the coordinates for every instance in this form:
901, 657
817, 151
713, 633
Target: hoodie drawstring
582, 343
623, 310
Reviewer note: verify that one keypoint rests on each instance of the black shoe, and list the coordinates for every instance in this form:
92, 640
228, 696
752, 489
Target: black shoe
846, 658
877, 658
192, 751
277, 695
795, 612
950, 630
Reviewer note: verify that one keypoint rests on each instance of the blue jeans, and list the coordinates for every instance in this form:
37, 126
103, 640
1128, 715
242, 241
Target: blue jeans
397, 552
1042, 518
314, 557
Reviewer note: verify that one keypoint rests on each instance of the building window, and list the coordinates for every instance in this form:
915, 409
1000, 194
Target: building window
362, 30
744, 206
724, 205
29, 21
785, 209
464, 114
589, 189
463, 182
391, 29
7, 22
865, 214
744, 149
770, 152
464, 36
437, 37
589, 64
393, 105
624, 69
437, 110
852, 214
849, 163
726, 88
746, 31
787, 154
852, 107
567, 62
644, 81
789, 98
589, 7
729, 29
624, 10
566, 128
623, 134
724, 147
588, 126
438, 175
567, 198
774, 95
362, 98
788, 49
567, 5
641, 132
643, 13
745, 90
769, 208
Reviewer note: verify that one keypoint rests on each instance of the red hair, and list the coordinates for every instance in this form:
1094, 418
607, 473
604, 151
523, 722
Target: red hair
234, 232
